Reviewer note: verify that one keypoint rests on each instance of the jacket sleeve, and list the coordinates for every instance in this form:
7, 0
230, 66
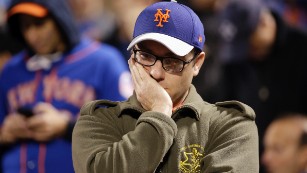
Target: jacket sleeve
233, 140
101, 145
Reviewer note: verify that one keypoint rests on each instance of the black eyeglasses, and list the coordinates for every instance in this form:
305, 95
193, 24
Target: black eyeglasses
169, 64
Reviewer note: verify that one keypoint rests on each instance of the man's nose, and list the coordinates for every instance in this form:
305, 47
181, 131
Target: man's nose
157, 71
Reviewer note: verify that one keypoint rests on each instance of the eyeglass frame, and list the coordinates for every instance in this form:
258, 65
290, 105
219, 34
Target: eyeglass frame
135, 50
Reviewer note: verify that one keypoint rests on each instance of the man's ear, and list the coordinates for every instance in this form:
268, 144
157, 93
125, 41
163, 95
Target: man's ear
198, 63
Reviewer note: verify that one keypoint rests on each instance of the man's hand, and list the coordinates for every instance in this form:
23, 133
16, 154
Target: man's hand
14, 127
47, 123
148, 91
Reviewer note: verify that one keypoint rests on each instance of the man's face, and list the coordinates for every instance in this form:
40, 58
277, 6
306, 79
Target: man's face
41, 35
175, 84
282, 153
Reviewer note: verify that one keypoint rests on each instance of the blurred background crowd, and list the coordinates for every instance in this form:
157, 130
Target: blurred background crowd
255, 53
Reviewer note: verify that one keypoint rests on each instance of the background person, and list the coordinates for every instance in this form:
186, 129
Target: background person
53, 77
285, 144
263, 62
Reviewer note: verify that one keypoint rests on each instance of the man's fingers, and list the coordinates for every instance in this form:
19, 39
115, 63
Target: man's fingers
134, 73
142, 73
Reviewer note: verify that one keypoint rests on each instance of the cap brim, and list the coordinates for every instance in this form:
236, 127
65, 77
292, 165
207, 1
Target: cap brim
29, 9
175, 45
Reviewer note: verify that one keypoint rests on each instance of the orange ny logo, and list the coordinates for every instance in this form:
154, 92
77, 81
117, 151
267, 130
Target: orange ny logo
160, 17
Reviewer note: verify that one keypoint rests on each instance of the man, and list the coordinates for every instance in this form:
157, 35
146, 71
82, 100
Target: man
166, 126
43, 88
285, 144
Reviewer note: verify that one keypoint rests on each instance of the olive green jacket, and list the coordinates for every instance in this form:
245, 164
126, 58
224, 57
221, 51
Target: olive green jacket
199, 138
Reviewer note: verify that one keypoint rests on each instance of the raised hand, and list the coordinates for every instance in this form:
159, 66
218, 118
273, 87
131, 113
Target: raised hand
148, 91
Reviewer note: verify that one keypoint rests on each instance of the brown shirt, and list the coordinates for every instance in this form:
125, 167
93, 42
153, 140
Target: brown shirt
200, 137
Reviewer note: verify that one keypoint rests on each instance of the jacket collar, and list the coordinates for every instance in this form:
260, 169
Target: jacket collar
192, 104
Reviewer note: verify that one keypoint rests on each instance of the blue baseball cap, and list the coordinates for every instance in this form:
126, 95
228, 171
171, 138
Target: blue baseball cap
174, 25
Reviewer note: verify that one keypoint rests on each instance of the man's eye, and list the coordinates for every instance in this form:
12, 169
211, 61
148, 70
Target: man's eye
172, 62
146, 56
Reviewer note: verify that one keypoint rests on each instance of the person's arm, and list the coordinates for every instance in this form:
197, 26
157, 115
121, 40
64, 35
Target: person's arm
12, 125
45, 125
233, 143
101, 145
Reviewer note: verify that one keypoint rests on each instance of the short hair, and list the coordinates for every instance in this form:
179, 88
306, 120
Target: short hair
296, 117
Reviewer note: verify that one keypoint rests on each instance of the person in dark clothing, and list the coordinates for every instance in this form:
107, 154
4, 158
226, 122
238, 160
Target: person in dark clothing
264, 62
